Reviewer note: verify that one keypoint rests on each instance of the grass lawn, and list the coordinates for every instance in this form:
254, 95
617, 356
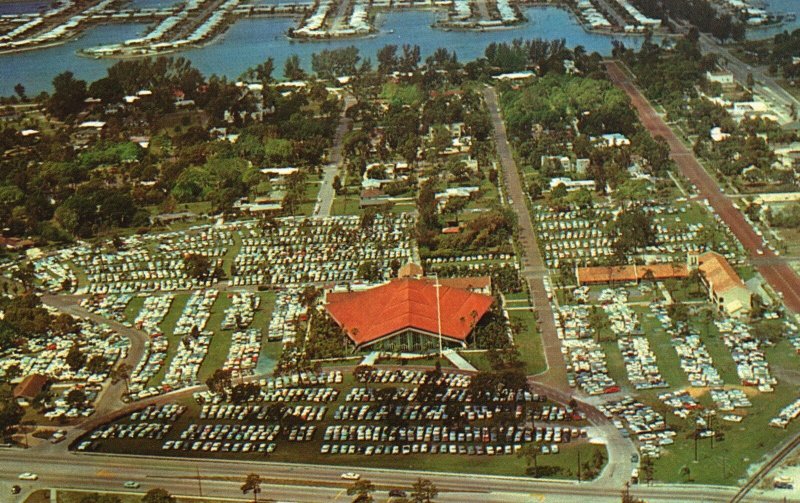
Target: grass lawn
133, 308
80, 275
720, 354
418, 362
477, 359
230, 255
661, 345
517, 297
529, 342
346, 204
220, 342
616, 367
313, 184
168, 329
745, 443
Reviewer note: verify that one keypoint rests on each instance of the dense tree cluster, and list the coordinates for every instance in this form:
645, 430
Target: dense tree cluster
72, 183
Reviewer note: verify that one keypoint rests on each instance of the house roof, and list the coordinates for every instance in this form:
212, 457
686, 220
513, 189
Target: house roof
406, 303
30, 386
718, 273
628, 273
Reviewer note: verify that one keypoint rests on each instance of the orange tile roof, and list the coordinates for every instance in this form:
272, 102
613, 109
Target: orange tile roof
719, 273
406, 303
629, 273
30, 386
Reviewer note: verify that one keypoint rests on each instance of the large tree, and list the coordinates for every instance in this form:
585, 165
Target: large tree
68, 96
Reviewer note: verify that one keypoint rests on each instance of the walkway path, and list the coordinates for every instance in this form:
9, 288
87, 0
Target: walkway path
326, 192
782, 278
457, 360
533, 268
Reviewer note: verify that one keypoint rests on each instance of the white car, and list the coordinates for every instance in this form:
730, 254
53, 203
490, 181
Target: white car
131, 484
351, 476
28, 476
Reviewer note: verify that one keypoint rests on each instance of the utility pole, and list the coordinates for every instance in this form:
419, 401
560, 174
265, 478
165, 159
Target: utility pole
695, 440
710, 427
579, 467
199, 483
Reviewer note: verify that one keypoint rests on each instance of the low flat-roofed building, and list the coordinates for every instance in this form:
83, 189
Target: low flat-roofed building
630, 273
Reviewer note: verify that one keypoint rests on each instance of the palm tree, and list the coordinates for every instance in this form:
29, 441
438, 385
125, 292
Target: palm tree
252, 483
362, 490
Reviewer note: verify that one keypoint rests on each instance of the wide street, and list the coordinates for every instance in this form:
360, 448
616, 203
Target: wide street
301, 483
777, 273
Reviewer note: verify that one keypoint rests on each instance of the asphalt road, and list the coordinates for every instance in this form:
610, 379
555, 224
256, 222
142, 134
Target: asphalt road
764, 83
111, 397
778, 274
326, 192
553, 382
533, 267
302, 483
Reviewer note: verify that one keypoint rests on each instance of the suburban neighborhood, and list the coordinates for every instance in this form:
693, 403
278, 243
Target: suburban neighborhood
543, 272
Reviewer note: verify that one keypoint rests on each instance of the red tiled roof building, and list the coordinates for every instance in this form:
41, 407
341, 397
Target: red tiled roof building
402, 315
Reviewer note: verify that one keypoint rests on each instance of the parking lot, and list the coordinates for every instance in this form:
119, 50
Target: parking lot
333, 416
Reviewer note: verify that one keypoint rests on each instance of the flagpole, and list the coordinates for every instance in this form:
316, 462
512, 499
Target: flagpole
438, 313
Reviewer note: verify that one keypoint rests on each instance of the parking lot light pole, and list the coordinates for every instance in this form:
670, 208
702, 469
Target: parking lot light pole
437, 285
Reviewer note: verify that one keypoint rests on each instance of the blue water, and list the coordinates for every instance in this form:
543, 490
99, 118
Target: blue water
149, 4
779, 7
250, 41
24, 7
36, 69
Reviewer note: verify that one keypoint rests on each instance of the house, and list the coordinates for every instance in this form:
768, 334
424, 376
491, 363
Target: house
720, 77
717, 135
725, 288
613, 140
571, 185
15, 244
29, 388
373, 197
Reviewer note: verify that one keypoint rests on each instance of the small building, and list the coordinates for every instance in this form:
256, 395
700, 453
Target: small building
720, 77
572, 185
15, 244
29, 388
725, 288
